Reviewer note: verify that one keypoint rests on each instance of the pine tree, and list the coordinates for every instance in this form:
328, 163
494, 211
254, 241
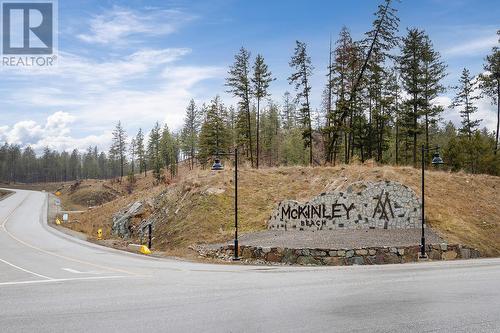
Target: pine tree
190, 132
133, 153
214, 135
271, 134
168, 150
102, 163
119, 146
412, 74
344, 70
301, 63
75, 165
140, 151
383, 35
352, 102
465, 101
154, 155
288, 114
239, 84
434, 70
490, 82
261, 79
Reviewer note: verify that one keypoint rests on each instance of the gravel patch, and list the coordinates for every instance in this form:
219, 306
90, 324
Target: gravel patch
337, 239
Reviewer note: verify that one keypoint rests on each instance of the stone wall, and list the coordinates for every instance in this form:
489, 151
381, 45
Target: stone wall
340, 257
364, 205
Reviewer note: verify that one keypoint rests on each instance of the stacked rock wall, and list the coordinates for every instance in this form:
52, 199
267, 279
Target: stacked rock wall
341, 257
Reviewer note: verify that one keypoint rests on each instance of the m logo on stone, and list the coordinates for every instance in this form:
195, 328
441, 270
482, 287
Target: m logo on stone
28, 30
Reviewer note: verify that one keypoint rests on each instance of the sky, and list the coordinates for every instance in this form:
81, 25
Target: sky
142, 61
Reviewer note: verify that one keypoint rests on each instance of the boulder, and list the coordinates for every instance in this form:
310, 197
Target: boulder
289, 256
121, 220
449, 255
356, 261
307, 260
246, 253
362, 252
333, 261
465, 253
273, 257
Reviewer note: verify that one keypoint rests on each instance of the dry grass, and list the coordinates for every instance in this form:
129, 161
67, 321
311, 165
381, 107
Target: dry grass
101, 199
3, 193
198, 206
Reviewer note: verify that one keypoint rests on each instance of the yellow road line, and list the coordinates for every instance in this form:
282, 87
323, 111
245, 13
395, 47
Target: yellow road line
56, 254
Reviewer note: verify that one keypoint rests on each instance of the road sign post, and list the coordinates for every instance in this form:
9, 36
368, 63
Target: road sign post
150, 235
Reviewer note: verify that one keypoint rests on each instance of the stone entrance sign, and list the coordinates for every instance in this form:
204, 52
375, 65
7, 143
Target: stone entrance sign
364, 205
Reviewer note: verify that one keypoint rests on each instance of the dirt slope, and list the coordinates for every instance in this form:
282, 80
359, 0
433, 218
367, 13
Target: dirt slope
197, 207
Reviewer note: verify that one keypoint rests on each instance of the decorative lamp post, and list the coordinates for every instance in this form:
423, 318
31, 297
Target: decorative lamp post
436, 160
217, 166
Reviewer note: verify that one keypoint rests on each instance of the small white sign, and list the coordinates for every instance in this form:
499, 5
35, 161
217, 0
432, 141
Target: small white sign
65, 217
58, 202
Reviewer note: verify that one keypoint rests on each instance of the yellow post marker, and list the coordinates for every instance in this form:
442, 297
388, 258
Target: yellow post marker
145, 250
99, 234
58, 194
58, 221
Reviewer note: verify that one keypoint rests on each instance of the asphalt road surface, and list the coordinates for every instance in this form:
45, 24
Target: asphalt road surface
50, 282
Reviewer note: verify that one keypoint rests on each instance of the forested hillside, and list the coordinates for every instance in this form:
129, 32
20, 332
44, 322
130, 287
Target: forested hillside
379, 103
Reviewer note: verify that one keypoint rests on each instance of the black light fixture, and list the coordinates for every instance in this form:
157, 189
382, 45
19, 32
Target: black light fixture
436, 160
217, 166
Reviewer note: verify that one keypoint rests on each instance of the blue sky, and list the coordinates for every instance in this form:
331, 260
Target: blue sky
141, 61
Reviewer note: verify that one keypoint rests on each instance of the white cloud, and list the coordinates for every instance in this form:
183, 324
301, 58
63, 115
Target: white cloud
112, 71
138, 89
55, 133
120, 26
471, 47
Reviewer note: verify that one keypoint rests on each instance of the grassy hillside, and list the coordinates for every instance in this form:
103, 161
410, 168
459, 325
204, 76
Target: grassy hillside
197, 206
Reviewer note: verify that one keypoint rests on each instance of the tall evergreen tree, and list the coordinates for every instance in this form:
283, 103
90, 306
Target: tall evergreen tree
490, 83
140, 151
190, 132
371, 45
412, 74
133, 154
119, 146
288, 113
154, 153
239, 84
168, 150
383, 39
464, 100
214, 135
261, 79
434, 70
301, 64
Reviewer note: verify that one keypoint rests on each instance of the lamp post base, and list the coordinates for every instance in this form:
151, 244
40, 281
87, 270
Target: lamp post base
423, 258
236, 256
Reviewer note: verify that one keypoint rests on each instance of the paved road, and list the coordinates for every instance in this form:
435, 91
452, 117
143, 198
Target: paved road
50, 282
